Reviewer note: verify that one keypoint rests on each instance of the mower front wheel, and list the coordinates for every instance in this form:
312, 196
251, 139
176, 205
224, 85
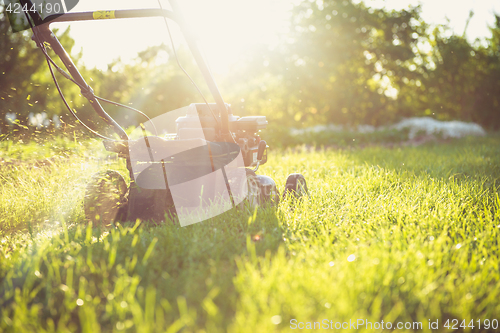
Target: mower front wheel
296, 186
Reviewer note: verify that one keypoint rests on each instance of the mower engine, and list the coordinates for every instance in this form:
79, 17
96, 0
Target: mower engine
244, 130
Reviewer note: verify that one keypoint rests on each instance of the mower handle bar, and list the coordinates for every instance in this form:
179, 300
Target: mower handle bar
110, 14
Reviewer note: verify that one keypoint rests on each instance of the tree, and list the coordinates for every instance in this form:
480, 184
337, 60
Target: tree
346, 63
465, 82
25, 82
342, 62
19, 59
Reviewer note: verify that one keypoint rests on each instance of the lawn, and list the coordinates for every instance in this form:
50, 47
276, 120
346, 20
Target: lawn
404, 235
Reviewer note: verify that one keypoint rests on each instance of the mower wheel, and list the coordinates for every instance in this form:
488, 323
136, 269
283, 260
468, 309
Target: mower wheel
105, 196
295, 186
269, 194
253, 196
261, 190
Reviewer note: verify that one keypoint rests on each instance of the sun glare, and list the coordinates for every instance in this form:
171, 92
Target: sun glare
451, 12
226, 29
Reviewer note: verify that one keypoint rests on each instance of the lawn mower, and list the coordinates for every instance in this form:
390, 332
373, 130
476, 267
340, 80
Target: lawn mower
206, 167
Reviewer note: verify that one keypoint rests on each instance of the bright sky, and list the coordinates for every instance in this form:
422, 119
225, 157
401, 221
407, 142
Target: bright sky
226, 28
457, 11
229, 27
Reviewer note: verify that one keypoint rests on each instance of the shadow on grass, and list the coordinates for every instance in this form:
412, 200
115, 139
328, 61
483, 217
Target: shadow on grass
118, 275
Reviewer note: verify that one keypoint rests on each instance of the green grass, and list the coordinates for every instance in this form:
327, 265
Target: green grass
401, 235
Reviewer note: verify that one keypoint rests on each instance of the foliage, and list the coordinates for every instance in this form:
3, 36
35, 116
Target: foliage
472, 72
18, 62
26, 86
345, 53
404, 234
148, 84
342, 62
346, 63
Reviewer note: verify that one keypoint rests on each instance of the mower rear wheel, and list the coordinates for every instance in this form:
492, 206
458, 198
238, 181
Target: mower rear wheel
253, 189
296, 186
104, 197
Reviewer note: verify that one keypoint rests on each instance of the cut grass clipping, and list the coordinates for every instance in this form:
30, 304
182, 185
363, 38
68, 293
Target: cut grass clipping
400, 235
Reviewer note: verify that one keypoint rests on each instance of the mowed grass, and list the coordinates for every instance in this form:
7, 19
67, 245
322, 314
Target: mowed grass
406, 234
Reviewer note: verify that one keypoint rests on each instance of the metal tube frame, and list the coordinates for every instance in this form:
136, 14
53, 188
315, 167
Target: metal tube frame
42, 28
